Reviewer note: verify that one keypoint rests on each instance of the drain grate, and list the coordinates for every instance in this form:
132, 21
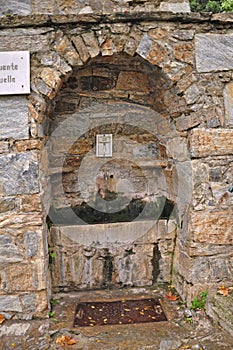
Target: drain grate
119, 312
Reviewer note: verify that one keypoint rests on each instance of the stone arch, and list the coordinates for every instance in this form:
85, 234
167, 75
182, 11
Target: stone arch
76, 51
50, 78
66, 54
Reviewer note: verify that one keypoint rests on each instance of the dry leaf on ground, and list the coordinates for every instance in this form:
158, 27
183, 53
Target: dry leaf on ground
66, 340
2, 319
223, 291
171, 296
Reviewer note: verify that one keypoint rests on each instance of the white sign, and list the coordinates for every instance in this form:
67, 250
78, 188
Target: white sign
14, 72
104, 145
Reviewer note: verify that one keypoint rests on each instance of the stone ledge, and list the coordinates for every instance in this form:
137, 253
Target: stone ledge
44, 19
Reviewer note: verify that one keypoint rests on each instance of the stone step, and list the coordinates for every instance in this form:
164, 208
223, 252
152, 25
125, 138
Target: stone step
220, 309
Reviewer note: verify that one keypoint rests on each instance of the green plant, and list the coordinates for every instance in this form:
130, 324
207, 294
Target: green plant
227, 5
213, 6
199, 301
51, 253
51, 314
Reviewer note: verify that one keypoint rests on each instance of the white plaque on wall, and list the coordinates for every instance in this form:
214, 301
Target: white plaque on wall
14, 72
104, 145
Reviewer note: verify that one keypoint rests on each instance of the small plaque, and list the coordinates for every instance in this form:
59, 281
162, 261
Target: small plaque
14, 72
104, 145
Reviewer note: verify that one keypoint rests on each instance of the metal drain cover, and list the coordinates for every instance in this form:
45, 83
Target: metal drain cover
119, 312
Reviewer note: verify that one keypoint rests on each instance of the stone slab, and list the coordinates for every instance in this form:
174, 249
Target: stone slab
214, 52
228, 101
127, 232
212, 227
10, 303
19, 173
205, 270
9, 252
20, 7
209, 142
14, 117
32, 43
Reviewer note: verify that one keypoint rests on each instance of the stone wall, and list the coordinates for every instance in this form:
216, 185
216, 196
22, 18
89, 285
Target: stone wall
26, 7
191, 54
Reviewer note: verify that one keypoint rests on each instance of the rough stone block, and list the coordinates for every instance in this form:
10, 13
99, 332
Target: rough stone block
14, 117
81, 48
108, 48
19, 173
19, 7
151, 50
4, 147
208, 142
9, 252
212, 227
207, 269
29, 302
174, 6
51, 77
133, 81
29, 203
133, 41
228, 101
214, 52
28, 276
31, 240
10, 303
54, 60
42, 6
7, 204
91, 44
65, 48
20, 222
11, 40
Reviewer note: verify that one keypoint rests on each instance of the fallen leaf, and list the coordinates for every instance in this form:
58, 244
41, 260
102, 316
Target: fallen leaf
71, 342
171, 296
65, 340
223, 291
2, 319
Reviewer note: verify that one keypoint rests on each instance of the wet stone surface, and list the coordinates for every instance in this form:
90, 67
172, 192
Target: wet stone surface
184, 329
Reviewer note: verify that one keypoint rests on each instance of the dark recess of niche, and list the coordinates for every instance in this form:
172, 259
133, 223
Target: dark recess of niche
162, 209
155, 262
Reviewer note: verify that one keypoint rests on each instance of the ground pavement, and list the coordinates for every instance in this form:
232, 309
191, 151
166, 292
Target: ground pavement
184, 329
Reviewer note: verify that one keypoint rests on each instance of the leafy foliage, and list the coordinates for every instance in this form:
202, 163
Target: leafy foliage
199, 301
211, 5
227, 5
